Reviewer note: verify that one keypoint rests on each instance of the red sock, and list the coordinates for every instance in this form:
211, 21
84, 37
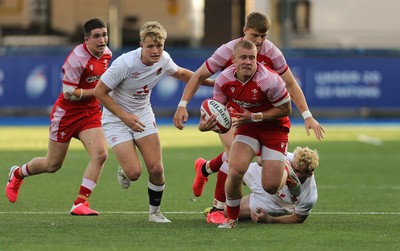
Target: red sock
216, 163
79, 200
233, 212
17, 173
84, 192
219, 193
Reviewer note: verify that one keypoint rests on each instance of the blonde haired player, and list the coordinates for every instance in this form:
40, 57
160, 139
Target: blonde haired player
128, 119
282, 207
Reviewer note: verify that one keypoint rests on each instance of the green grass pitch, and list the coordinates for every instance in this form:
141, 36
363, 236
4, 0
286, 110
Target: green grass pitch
357, 209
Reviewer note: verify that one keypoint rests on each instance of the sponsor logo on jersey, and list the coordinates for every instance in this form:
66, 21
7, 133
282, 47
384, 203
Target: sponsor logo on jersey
92, 79
245, 105
135, 74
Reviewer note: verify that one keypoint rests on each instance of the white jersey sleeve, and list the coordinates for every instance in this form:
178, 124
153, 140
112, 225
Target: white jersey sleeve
307, 198
116, 73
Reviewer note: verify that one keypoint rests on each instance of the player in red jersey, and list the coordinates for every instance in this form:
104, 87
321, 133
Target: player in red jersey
255, 30
76, 114
262, 125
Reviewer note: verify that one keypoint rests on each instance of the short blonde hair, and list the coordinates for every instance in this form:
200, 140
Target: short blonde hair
306, 159
246, 44
154, 30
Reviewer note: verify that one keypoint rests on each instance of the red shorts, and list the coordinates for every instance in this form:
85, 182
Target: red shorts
68, 123
274, 138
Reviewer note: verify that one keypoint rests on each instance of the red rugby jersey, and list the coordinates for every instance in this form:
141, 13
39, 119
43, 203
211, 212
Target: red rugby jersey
83, 70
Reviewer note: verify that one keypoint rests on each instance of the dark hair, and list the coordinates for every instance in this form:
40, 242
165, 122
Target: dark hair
92, 24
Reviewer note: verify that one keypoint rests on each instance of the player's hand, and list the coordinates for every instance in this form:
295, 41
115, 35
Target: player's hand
133, 122
311, 123
259, 216
239, 119
207, 125
180, 117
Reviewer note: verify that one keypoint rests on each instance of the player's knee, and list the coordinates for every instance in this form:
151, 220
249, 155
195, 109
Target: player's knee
53, 167
237, 173
101, 157
271, 188
133, 174
156, 170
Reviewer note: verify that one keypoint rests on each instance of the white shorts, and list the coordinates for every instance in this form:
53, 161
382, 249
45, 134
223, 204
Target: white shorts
259, 198
117, 132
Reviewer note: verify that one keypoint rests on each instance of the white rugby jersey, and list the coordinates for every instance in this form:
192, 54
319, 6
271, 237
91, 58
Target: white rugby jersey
280, 203
132, 81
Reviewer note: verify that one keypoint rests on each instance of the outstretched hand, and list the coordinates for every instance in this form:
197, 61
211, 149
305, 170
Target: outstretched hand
311, 123
180, 117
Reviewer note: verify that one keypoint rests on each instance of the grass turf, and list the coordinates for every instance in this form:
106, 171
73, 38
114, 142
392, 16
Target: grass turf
357, 208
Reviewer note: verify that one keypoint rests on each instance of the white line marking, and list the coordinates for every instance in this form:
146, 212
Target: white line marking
369, 140
143, 212
357, 213
358, 187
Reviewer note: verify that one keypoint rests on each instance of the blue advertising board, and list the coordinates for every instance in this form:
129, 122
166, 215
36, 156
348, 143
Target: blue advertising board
348, 82
29, 81
336, 82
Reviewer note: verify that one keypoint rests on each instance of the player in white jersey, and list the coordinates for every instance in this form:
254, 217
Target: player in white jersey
282, 207
128, 119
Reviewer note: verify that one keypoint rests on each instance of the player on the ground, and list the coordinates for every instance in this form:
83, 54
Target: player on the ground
128, 121
76, 114
281, 207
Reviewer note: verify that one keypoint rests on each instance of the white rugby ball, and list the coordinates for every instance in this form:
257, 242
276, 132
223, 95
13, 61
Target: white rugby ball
224, 121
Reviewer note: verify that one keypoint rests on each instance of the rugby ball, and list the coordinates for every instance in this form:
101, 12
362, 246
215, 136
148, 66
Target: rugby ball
224, 121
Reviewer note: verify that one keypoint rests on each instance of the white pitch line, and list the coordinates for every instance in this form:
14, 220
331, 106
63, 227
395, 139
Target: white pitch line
358, 187
145, 212
357, 213
369, 140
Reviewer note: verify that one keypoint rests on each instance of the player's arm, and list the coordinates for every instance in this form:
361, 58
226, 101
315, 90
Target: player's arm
261, 216
72, 93
193, 84
280, 110
287, 219
299, 100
